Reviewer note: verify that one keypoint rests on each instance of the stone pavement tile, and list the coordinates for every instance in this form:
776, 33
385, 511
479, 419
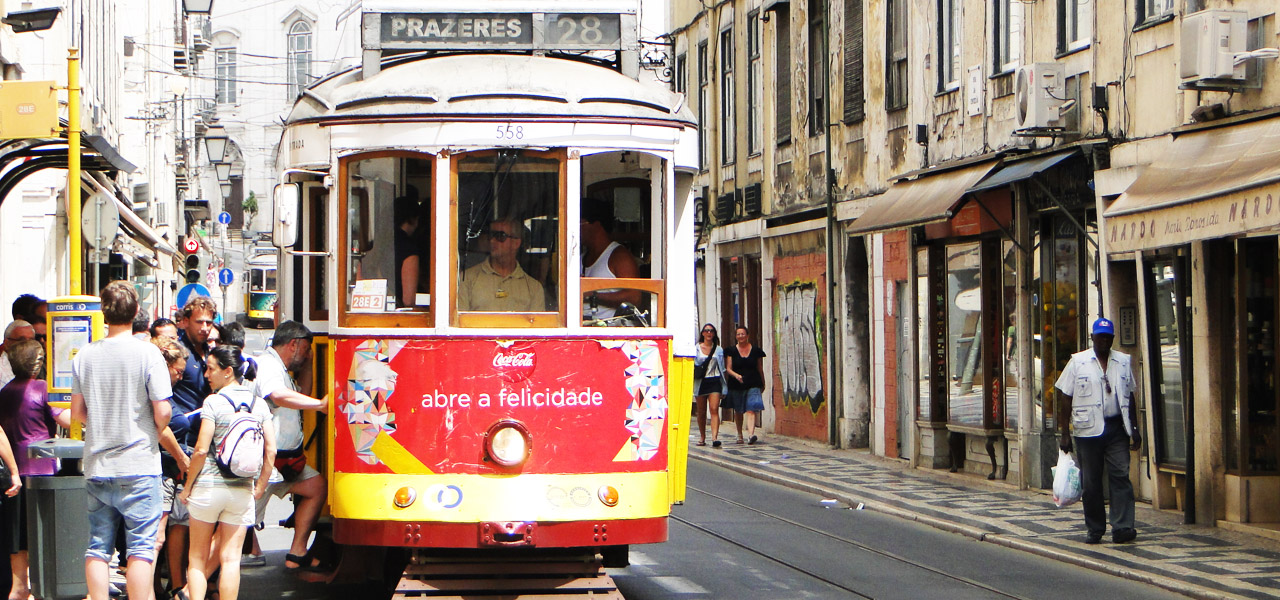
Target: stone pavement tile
1200, 561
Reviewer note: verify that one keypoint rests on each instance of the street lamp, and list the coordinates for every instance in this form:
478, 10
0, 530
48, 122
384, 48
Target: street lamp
223, 170
215, 142
226, 190
39, 19
197, 7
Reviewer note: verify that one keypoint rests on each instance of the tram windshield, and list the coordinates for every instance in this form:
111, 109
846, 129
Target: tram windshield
509, 206
262, 280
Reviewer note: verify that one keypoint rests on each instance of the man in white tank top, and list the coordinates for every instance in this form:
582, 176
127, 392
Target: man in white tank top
604, 258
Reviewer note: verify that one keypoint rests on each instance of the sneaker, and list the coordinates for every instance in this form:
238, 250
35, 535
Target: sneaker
253, 560
1124, 535
1093, 538
752, 440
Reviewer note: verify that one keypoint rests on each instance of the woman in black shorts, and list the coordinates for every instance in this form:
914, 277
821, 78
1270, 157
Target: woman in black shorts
708, 372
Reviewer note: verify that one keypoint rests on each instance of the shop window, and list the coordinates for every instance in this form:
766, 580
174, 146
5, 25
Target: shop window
1059, 305
1260, 429
1167, 299
964, 335
508, 267
386, 225
1009, 334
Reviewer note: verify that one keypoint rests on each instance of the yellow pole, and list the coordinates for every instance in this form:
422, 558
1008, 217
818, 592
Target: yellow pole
73, 168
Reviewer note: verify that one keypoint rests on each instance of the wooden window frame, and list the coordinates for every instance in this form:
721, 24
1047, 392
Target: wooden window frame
512, 320
396, 320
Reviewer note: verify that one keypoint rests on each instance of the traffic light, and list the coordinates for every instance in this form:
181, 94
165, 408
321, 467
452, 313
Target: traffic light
191, 268
193, 263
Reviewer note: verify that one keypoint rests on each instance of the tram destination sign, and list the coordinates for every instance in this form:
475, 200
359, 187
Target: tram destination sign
493, 30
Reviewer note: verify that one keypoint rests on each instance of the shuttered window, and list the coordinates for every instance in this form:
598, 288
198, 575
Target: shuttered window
783, 79
817, 59
854, 94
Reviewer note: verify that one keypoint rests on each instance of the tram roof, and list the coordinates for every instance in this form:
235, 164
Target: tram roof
502, 86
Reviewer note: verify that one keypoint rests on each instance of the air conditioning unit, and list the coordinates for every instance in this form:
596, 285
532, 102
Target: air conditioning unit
1039, 92
1210, 41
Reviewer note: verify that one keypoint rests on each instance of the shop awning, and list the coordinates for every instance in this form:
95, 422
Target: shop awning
926, 199
1023, 169
1209, 184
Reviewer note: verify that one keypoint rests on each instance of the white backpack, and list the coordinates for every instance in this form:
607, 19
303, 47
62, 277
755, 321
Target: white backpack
239, 452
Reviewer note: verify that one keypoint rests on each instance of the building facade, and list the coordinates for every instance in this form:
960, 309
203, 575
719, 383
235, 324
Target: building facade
920, 206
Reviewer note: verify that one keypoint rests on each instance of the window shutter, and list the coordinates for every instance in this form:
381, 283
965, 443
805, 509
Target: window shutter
784, 75
854, 111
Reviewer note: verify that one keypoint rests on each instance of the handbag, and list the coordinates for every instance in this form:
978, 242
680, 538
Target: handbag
700, 368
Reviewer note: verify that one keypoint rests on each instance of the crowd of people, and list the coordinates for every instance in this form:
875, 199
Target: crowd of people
156, 399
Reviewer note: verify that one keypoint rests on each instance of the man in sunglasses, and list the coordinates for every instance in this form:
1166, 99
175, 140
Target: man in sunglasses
1097, 405
499, 284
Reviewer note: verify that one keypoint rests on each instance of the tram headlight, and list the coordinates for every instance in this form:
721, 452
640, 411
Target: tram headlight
507, 443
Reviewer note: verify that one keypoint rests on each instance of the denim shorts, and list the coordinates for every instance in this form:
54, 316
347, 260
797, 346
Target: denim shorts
133, 500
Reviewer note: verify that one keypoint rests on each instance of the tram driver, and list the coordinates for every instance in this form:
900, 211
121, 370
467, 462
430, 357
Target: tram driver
500, 284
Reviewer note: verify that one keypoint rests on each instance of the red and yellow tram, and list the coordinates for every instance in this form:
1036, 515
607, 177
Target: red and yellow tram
473, 403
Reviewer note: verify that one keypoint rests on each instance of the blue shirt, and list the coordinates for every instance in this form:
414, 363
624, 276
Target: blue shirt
188, 395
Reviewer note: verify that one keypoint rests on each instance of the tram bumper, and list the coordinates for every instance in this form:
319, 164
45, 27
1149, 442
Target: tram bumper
500, 534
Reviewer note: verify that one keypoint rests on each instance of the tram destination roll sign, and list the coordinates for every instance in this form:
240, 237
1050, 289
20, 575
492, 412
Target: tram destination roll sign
495, 30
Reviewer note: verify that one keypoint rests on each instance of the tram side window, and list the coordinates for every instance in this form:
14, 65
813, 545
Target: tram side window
508, 238
622, 231
388, 242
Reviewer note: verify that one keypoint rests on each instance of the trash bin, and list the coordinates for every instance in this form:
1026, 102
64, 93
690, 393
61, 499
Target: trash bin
57, 525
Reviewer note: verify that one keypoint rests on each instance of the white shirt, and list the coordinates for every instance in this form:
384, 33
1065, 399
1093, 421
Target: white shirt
6, 370
273, 377
600, 268
1086, 383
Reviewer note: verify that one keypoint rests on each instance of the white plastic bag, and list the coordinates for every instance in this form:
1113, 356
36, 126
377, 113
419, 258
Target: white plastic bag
1066, 481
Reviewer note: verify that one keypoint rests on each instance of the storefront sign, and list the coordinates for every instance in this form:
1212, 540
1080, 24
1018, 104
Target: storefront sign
1223, 216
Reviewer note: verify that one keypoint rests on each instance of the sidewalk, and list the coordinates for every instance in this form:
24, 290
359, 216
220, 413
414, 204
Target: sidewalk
1196, 560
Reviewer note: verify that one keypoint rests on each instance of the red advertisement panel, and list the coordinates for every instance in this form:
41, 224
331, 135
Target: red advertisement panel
424, 406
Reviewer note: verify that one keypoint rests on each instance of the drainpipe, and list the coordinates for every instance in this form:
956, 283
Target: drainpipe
835, 400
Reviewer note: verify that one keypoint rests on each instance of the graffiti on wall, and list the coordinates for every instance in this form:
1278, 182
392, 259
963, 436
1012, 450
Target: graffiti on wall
798, 346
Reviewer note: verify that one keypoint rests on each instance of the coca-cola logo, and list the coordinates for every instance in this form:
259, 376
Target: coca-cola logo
514, 365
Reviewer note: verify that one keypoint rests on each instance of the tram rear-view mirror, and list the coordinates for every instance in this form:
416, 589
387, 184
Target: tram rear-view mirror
284, 231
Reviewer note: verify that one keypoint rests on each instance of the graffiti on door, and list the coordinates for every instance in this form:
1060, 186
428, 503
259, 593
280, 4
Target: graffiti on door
798, 345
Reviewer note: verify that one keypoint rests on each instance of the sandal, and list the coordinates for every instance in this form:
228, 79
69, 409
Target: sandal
741, 441
702, 443
297, 560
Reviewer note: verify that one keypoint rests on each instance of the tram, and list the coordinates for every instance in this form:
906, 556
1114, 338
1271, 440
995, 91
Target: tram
433, 212
260, 291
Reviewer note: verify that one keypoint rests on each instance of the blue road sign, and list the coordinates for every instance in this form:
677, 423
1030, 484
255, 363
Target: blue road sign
224, 217
225, 277
189, 291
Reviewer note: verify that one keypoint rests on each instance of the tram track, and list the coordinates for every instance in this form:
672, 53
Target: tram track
836, 538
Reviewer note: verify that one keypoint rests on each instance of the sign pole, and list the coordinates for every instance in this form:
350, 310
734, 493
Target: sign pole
73, 169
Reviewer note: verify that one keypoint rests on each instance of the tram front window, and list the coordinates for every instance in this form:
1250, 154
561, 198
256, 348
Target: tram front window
387, 225
508, 259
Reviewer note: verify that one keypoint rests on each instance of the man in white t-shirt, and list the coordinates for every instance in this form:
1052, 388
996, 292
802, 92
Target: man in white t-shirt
120, 391
291, 351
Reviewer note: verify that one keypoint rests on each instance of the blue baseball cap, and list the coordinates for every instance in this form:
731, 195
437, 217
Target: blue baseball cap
1104, 325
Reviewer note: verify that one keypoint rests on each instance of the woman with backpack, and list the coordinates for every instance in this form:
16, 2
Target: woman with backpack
221, 486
